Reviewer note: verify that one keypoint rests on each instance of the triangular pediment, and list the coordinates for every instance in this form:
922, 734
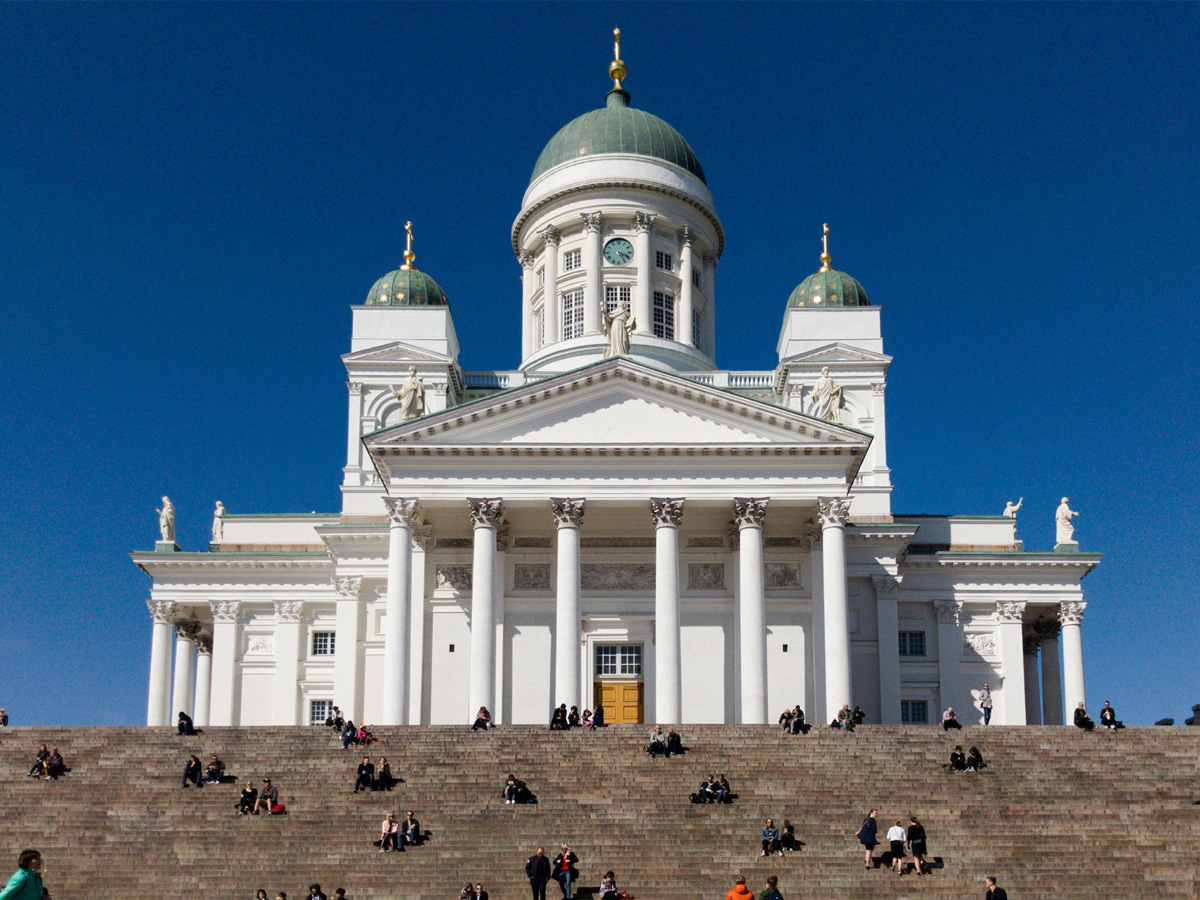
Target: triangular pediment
398, 352
617, 402
835, 353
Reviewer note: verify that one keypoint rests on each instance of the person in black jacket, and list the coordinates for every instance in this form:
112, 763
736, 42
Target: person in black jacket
537, 870
1082, 719
958, 759
917, 843
366, 775
185, 723
994, 891
558, 721
564, 870
1108, 718
192, 772
314, 893
798, 724
975, 761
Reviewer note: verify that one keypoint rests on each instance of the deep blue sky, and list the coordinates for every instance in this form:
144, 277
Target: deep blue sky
192, 196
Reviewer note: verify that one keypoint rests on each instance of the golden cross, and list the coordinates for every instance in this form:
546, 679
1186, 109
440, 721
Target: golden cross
616, 68
826, 259
409, 256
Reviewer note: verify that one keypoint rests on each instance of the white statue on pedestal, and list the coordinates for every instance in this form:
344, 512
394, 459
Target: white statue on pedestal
826, 397
618, 326
1064, 529
166, 520
218, 528
1010, 509
411, 395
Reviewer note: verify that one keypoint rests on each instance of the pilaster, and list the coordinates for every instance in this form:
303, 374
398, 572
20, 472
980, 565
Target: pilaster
950, 639
1010, 614
226, 649
887, 592
288, 634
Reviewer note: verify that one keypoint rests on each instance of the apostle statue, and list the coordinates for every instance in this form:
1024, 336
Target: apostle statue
411, 395
826, 397
618, 326
218, 529
1064, 530
166, 520
1010, 508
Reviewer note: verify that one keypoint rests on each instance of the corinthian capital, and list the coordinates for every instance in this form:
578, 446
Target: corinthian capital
526, 259
551, 235
161, 610
947, 611
688, 236
886, 585
749, 512
592, 221
355, 388
710, 260
225, 610
486, 512
666, 511
289, 610
187, 629
567, 513
402, 511
1010, 611
643, 222
1071, 612
347, 588
812, 536
833, 511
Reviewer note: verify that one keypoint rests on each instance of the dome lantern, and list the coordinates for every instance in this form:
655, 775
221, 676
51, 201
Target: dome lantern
407, 285
827, 288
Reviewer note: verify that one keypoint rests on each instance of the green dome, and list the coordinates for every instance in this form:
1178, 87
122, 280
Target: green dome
406, 287
828, 288
618, 129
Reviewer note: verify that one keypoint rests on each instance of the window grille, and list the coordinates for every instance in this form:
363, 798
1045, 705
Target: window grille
322, 643
664, 315
663, 260
614, 294
319, 711
572, 321
572, 260
912, 643
914, 712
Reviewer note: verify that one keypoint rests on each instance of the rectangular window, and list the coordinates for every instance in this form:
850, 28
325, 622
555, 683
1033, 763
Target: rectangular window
614, 294
572, 319
541, 277
322, 643
664, 315
663, 260
912, 643
696, 328
914, 712
619, 659
606, 660
572, 260
319, 711
695, 277
631, 659
539, 328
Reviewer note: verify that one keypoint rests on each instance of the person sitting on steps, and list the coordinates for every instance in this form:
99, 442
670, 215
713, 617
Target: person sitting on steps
467, 892
858, 716
249, 797
608, 886
573, 717
1108, 718
366, 775
192, 771
483, 719
558, 719
384, 780
410, 829
799, 726
1082, 719
55, 765
787, 836
598, 717
268, 798
215, 770
335, 720
721, 792
770, 839
950, 720
958, 759
185, 723
515, 790
845, 718
785, 721
364, 736
587, 719
658, 742
349, 734
389, 835
975, 761
38, 769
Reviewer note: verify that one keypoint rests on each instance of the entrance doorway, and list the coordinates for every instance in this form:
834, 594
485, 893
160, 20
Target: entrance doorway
619, 690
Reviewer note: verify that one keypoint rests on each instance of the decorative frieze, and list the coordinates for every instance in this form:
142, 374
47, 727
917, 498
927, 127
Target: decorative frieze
531, 576
783, 542
567, 513
617, 576
454, 543
666, 511
627, 543
706, 576
452, 578
980, 643
260, 645
533, 542
782, 575
706, 542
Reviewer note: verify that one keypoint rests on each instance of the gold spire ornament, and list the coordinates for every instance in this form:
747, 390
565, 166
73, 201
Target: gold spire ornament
616, 68
826, 259
409, 256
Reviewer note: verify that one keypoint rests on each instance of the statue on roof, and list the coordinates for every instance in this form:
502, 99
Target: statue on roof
826, 397
618, 327
1064, 531
411, 395
166, 520
218, 528
1010, 508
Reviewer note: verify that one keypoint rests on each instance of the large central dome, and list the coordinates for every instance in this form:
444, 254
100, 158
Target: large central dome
618, 128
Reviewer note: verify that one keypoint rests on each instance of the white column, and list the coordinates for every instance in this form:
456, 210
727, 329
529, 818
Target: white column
887, 592
528, 286
879, 429
422, 536
185, 662
817, 714
568, 516
642, 310
158, 700
347, 679
486, 516
949, 636
683, 322
832, 514
203, 681
1052, 704
287, 661
748, 514
1033, 696
503, 536
1070, 614
226, 649
710, 293
1010, 614
551, 308
668, 699
591, 287
402, 515
354, 425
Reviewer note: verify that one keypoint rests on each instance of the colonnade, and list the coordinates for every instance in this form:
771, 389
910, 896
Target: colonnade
1045, 705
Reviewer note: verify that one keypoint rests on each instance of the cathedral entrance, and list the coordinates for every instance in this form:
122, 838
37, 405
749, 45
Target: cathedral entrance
618, 686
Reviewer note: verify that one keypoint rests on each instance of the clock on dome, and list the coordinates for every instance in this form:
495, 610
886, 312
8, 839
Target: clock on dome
618, 251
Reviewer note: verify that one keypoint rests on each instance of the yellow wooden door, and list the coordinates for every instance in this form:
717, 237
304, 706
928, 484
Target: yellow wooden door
622, 701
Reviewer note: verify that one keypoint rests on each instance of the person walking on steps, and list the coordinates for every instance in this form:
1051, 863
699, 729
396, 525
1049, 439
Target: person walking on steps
739, 891
772, 890
867, 835
916, 843
537, 870
26, 882
897, 838
985, 703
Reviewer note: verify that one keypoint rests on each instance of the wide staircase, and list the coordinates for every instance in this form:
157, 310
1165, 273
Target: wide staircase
1058, 813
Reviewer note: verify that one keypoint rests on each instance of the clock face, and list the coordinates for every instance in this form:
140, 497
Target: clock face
618, 251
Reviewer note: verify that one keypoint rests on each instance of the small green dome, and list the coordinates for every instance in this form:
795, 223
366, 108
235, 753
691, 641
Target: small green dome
618, 129
828, 288
406, 287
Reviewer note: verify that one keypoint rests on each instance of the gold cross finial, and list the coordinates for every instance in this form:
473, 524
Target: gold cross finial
409, 256
826, 259
616, 68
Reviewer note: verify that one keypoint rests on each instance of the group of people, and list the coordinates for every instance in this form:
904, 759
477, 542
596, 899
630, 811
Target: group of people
966, 762
472, 891
1108, 718
195, 773
739, 891
776, 839
792, 721
539, 869
897, 837
370, 778
713, 790
314, 893
665, 743
396, 835
253, 801
47, 764
563, 719
848, 719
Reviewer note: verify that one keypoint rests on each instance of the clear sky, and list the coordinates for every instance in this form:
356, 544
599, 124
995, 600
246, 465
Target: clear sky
192, 196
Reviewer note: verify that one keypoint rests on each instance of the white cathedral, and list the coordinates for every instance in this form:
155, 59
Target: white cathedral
618, 522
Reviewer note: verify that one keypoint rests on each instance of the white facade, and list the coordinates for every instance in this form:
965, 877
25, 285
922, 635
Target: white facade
650, 524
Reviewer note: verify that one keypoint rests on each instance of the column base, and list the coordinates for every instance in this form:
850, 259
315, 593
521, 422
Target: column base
166, 547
